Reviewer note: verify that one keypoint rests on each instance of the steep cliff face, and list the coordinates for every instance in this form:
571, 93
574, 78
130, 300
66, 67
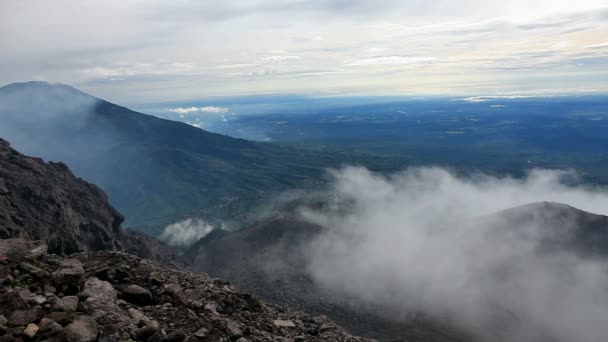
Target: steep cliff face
45, 201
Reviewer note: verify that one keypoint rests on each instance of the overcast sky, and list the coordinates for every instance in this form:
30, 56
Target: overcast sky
151, 50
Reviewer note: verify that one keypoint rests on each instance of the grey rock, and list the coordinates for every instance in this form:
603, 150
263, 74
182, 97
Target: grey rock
99, 290
176, 293
83, 329
47, 324
24, 317
67, 304
284, 323
233, 329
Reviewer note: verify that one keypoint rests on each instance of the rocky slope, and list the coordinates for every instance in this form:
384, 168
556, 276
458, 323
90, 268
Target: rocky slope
112, 296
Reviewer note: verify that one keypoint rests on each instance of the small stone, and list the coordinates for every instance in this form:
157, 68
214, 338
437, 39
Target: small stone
284, 323
38, 299
233, 329
242, 339
212, 307
83, 329
325, 327
201, 333
31, 330
196, 304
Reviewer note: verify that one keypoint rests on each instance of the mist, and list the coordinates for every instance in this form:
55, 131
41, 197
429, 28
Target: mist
57, 123
428, 241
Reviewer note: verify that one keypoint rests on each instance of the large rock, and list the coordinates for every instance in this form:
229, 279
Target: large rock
136, 294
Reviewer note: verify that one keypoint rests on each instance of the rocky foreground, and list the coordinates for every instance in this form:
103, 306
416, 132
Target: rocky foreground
114, 296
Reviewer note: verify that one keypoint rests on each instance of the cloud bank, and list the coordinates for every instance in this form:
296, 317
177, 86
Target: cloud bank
422, 241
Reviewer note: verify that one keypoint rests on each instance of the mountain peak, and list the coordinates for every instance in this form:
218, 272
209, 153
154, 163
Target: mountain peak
46, 90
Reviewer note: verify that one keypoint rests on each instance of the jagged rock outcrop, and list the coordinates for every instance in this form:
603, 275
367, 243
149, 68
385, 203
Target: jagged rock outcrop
45, 201
113, 296
144, 246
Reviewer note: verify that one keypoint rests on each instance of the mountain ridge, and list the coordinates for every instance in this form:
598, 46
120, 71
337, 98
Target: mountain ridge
156, 171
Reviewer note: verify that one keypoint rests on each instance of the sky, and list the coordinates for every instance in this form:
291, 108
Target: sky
143, 51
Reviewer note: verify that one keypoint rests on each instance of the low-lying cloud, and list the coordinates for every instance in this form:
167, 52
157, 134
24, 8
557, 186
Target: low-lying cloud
193, 110
186, 232
426, 240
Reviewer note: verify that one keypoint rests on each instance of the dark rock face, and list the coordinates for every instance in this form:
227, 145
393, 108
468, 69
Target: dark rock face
119, 297
45, 201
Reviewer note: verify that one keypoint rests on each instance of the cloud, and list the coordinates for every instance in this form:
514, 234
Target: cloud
186, 232
274, 45
190, 110
423, 241
390, 60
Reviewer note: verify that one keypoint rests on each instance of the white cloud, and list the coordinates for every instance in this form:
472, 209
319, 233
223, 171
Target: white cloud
190, 110
186, 232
